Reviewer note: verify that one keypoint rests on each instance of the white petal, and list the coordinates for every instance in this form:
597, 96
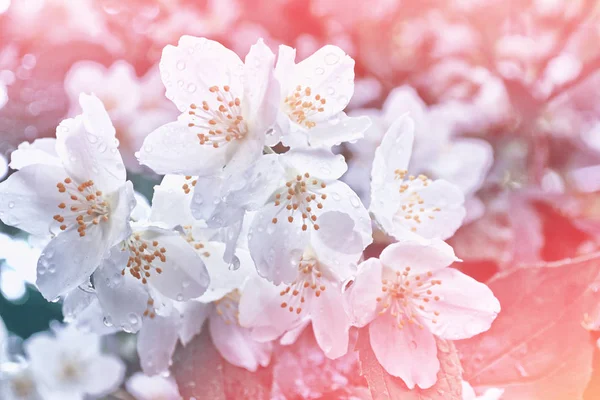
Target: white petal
29, 198
88, 149
260, 309
170, 203
276, 248
361, 296
175, 149
184, 274
319, 163
223, 279
144, 387
466, 307
408, 353
69, 260
421, 256
236, 345
104, 375
337, 130
330, 322
41, 151
142, 210
156, 342
345, 229
122, 297
193, 315
330, 73
195, 65
83, 310
291, 336
262, 91
392, 154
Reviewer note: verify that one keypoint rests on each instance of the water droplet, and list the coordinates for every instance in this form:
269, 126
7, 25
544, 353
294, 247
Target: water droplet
133, 319
185, 284
343, 100
148, 148
235, 264
108, 321
180, 83
331, 59
413, 345
319, 71
92, 138
355, 202
11, 204
330, 91
191, 88
181, 65
179, 297
335, 196
55, 300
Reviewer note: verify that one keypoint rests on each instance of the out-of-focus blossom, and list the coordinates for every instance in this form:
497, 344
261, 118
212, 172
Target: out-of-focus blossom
75, 192
134, 115
407, 297
144, 387
68, 364
408, 205
17, 382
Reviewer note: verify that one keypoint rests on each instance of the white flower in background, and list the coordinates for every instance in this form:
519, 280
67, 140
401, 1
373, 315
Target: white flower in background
468, 393
437, 151
314, 295
18, 383
75, 192
70, 365
227, 108
18, 267
407, 205
3, 342
142, 110
309, 205
314, 93
143, 387
409, 295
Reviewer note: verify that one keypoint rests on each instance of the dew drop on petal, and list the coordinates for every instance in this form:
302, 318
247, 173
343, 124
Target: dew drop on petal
108, 321
330, 91
11, 204
179, 297
355, 202
235, 264
413, 345
191, 88
319, 71
181, 65
331, 59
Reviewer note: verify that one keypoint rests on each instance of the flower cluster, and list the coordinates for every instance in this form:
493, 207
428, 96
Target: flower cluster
252, 234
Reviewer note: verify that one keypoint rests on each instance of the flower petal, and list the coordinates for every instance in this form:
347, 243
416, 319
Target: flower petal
421, 256
337, 130
195, 65
193, 316
123, 298
170, 203
330, 322
330, 73
69, 260
466, 307
223, 279
260, 309
236, 345
361, 296
41, 151
276, 248
408, 353
184, 275
88, 149
104, 375
156, 342
319, 163
29, 198
174, 149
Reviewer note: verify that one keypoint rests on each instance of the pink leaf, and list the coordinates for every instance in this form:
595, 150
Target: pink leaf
537, 348
202, 373
383, 386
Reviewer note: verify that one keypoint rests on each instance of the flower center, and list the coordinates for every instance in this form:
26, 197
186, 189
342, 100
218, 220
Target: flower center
85, 206
189, 184
309, 281
300, 195
219, 125
196, 244
413, 207
301, 107
142, 258
405, 296
227, 307
23, 387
